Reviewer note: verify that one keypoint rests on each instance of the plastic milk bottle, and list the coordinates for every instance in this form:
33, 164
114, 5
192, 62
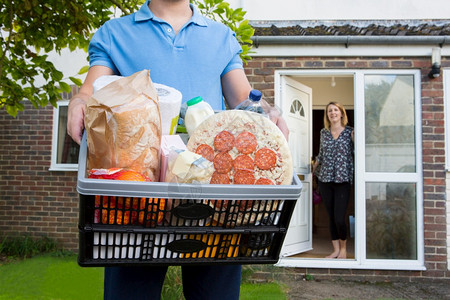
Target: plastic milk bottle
197, 111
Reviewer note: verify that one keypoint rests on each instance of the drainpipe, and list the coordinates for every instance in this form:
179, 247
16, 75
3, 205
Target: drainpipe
352, 40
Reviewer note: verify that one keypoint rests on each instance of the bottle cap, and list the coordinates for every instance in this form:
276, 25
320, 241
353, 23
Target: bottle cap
255, 95
194, 101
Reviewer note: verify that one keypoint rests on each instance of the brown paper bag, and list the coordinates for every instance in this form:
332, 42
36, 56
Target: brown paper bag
123, 126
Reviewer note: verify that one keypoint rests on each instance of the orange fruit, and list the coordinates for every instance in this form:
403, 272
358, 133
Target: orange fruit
131, 211
117, 174
130, 175
152, 216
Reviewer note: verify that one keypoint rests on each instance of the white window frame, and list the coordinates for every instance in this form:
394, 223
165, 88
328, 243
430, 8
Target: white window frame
360, 206
54, 165
369, 177
446, 84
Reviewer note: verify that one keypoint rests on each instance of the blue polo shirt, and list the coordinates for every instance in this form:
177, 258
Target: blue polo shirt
191, 61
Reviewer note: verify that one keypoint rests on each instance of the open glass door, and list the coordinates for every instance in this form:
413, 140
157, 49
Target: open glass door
296, 100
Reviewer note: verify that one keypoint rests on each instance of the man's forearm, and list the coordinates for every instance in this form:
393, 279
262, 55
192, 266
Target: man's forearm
75, 116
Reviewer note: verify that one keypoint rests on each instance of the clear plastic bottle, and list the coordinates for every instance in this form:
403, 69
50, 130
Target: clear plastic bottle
254, 103
197, 111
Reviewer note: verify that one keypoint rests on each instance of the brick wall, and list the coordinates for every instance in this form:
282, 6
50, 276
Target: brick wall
260, 72
33, 200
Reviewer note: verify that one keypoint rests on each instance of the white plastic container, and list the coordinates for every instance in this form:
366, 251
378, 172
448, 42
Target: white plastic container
169, 107
197, 111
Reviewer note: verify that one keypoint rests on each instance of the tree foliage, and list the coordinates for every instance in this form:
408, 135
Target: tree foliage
221, 11
30, 29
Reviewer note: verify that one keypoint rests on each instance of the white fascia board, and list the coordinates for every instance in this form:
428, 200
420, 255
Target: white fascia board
338, 50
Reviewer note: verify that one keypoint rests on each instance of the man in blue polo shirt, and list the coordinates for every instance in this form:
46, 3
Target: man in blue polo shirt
195, 55
191, 57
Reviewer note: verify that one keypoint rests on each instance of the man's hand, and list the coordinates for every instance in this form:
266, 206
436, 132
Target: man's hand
77, 105
75, 119
275, 116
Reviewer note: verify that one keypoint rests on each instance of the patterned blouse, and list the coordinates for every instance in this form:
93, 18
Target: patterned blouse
336, 156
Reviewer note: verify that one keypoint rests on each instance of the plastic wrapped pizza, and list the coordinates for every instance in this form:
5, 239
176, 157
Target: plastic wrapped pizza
245, 147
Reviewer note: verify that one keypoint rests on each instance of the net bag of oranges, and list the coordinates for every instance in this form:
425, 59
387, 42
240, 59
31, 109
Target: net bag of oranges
126, 210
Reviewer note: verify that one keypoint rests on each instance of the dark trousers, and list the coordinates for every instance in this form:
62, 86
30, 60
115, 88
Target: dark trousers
199, 282
335, 197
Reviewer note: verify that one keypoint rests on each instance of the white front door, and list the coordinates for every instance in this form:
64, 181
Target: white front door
295, 102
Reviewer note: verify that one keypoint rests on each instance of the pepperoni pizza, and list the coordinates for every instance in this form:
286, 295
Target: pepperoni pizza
245, 148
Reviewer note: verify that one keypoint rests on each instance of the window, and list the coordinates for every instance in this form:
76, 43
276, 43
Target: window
390, 147
392, 174
64, 149
391, 221
297, 107
390, 123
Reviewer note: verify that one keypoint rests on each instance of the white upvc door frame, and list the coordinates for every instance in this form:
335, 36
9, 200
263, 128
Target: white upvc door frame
360, 261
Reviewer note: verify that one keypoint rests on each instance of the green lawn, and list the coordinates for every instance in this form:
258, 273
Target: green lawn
47, 277
52, 277
264, 291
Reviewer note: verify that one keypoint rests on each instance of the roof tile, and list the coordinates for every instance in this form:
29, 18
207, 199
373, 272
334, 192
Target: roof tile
443, 28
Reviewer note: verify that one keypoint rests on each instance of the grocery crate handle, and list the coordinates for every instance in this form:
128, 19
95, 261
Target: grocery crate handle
186, 246
193, 211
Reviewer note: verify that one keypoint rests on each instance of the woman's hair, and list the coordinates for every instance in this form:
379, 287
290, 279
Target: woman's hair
344, 119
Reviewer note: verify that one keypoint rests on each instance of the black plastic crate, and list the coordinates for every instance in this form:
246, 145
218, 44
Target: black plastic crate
157, 223
121, 247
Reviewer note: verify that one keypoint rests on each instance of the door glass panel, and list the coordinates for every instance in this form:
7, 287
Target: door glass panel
391, 221
390, 123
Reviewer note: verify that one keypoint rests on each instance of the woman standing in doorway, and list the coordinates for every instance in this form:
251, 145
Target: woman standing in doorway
336, 173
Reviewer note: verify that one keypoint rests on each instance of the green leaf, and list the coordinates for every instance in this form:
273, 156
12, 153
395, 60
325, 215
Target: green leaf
83, 70
56, 75
76, 81
65, 87
223, 5
11, 110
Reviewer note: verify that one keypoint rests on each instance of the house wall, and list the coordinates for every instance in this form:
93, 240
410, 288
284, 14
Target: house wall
448, 219
33, 200
38, 202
